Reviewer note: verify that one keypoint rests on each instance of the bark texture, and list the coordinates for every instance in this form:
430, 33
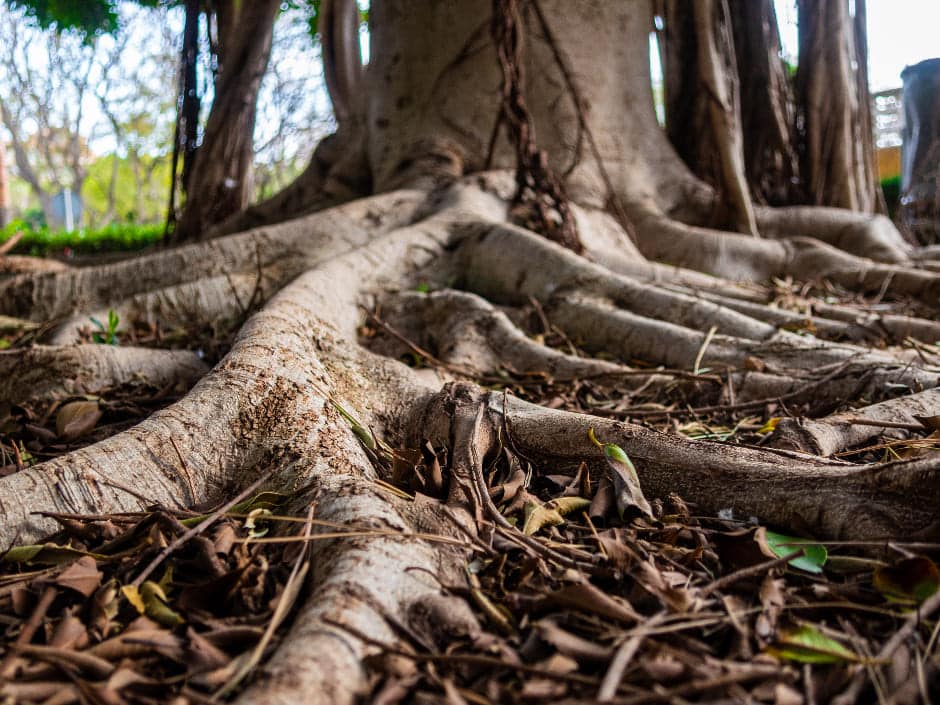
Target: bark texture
302, 381
219, 183
837, 149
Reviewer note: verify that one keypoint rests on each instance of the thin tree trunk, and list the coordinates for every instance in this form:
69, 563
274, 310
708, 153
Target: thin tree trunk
767, 106
219, 184
4, 189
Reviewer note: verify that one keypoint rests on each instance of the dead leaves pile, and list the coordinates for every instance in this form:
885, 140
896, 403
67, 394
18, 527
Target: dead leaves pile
586, 599
81, 626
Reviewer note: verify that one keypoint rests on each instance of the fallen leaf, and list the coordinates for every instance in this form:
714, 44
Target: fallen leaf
76, 419
552, 513
806, 644
779, 545
909, 581
82, 576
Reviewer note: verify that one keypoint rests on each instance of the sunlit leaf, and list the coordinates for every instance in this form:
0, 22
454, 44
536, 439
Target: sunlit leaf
806, 644
814, 555
770, 426
150, 600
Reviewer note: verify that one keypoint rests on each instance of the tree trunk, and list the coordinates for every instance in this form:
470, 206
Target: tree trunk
4, 188
834, 111
219, 184
767, 104
920, 175
306, 391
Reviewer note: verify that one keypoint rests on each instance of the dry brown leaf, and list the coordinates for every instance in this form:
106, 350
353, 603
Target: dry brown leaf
82, 576
76, 419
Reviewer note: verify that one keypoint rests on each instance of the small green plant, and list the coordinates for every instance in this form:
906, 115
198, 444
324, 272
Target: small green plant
106, 335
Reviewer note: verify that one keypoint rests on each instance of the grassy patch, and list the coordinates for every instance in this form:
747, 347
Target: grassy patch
111, 238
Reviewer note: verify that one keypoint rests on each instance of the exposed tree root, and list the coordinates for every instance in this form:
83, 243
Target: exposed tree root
738, 257
284, 397
50, 372
849, 429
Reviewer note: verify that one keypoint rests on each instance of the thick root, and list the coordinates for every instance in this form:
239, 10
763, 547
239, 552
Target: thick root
839, 432
49, 372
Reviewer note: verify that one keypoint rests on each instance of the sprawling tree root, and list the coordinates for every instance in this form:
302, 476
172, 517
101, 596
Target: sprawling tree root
273, 405
851, 429
50, 373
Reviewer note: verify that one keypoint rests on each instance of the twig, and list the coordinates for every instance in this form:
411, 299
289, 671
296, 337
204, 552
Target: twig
859, 421
749, 404
701, 351
749, 571
199, 528
622, 657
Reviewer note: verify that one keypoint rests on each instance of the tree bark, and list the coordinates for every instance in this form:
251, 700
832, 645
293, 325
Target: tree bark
220, 182
767, 104
4, 188
302, 365
834, 111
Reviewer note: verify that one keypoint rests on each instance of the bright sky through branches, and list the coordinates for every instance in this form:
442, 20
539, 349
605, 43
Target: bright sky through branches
900, 33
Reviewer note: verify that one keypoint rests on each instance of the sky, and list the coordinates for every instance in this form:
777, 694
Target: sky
900, 33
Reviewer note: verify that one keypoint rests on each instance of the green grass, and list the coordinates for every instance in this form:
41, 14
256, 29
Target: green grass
117, 237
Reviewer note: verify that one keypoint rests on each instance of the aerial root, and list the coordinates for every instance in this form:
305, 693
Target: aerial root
50, 373
892, 419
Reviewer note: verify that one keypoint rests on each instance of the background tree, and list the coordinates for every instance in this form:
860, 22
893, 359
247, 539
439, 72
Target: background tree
441, 164
837, 153
44, 113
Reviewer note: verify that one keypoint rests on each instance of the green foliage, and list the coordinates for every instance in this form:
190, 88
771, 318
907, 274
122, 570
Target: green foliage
114, 237
88, 17
106, 335
892, 191
143, 201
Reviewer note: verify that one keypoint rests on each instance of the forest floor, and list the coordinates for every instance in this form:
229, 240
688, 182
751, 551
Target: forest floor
579, 601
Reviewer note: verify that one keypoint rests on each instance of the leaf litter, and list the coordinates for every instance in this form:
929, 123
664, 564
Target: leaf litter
586, 589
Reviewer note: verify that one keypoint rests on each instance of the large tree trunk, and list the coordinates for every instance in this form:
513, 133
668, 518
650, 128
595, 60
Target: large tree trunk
767, 104
837, 148
219, 183
281, 398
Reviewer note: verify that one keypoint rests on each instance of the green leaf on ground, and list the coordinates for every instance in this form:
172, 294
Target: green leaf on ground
814, 555
804, 643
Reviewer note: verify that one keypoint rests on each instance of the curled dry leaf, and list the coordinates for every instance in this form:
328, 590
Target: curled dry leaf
552, 513
76, 419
